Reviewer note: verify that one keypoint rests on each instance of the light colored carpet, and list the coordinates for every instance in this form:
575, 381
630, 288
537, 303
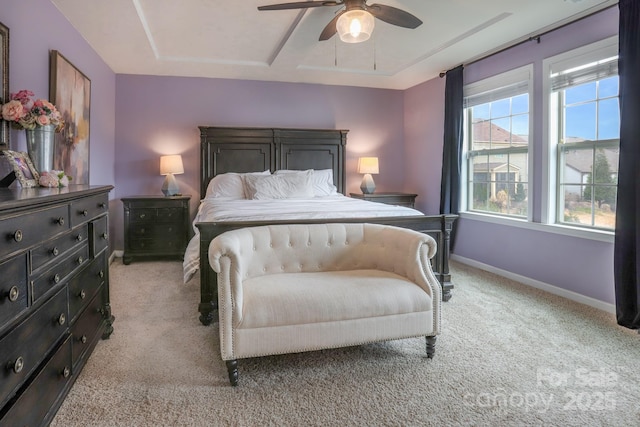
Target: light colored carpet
507, 355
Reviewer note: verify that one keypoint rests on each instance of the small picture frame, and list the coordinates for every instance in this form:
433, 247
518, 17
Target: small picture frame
25, 172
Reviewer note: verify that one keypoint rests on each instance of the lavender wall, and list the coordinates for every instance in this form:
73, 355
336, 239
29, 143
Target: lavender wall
575, 264
35, 27
160, 115
423, 130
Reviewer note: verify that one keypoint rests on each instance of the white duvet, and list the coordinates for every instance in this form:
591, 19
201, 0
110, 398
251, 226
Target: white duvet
336, 206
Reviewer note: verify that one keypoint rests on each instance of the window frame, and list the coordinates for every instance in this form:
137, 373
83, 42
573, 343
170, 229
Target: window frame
494, 84
552, 196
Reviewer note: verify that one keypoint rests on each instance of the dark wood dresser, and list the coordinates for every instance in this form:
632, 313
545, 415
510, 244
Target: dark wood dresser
54, 295
400, 199
155, 227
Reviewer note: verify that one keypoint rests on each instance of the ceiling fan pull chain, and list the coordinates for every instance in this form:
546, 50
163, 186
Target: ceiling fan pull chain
375, 53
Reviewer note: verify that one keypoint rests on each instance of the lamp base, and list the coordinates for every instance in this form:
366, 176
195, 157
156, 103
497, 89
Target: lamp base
367, 186
170, 186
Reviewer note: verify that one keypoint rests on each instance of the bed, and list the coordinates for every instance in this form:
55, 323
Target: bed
232, 151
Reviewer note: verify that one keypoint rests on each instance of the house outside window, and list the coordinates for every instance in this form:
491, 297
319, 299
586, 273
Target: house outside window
585, 131
497, 134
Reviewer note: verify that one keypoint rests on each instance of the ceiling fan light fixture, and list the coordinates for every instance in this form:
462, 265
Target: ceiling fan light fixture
355, 26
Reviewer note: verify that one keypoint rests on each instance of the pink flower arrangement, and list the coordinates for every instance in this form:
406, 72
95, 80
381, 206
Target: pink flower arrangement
25, 113
54, 179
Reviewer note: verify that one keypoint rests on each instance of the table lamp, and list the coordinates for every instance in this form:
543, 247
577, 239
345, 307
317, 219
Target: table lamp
170, 165
368, 166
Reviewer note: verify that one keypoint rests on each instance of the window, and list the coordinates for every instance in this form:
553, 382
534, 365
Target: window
585, 130
496, 133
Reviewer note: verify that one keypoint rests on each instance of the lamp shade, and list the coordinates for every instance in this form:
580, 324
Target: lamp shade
171, 164
368, 165
355, 26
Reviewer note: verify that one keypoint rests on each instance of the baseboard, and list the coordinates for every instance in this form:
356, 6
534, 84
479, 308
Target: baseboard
114, 255
573, 296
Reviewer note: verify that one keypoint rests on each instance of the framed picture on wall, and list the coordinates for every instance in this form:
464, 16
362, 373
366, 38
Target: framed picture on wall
4, 83
70, 92
25, 172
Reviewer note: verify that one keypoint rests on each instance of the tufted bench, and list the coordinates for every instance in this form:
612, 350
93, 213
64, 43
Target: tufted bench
293, 288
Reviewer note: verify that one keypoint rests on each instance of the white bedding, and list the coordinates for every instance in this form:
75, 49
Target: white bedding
336, 206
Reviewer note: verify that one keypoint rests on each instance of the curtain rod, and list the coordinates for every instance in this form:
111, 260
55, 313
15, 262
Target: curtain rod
532, 38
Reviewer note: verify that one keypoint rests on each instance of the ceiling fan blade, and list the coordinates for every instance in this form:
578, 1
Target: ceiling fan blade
331, 28
299, 5
394, 16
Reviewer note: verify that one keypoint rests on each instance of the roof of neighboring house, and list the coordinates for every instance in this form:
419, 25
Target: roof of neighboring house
485, 130
582, 160
484, 167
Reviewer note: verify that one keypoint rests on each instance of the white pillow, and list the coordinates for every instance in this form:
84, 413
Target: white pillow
321, 180
286, 186
229, 185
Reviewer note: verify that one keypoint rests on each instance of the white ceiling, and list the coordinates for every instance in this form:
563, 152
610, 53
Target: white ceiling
232, 39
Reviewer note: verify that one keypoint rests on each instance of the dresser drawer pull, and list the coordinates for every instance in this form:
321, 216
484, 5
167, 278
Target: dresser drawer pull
79, 238
56, 278
60, 221
13, 294
101, 274
80, 260
16, 366
83, 339
142, 216
84, 212
82, 294
66, 372
105, 236
102, 205
62, 319
17, 236
55, 251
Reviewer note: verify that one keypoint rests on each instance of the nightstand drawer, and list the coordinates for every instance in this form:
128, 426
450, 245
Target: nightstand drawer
155, 226
397, 199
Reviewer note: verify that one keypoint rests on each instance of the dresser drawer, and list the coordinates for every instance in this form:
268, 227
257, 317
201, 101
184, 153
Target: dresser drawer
35, 403
87, 329
59, 271
14, 298
20, 232
85, 210
22, 349
85, 284
58, 248
100, 233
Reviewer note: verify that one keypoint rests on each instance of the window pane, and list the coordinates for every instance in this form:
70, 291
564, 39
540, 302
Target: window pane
580, 122
520, 104
584, 92
500, 108
481, 112
500, 135
577, 167
480, 197
608, 87
520, 129
577, 210
609, 119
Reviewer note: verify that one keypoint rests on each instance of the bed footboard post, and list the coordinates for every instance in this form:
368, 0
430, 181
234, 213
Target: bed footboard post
208, 281
445, 275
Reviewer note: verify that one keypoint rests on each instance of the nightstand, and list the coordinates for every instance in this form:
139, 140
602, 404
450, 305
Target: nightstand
399, 199
155, 227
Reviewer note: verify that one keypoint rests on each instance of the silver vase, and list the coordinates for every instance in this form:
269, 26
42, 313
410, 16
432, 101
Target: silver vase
40, 146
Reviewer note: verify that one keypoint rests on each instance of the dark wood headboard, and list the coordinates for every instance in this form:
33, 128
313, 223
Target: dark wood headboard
225, 149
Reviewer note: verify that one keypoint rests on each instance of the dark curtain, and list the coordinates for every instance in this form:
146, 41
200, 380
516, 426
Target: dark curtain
627, 238
452, 147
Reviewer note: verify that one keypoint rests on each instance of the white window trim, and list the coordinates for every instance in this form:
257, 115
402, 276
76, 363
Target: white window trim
494, 82
603, 48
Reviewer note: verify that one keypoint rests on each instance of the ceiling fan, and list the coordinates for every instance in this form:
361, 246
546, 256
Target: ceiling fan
355, 23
